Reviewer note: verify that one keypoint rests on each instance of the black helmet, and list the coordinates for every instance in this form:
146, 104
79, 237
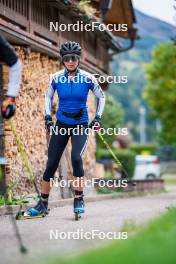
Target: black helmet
70, 47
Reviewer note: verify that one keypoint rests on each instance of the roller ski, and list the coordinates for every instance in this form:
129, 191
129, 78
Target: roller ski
38, 211
78, 207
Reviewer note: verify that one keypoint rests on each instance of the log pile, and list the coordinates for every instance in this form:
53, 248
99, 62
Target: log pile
29, 122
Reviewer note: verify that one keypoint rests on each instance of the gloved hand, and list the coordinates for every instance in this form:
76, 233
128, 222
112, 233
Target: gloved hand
48, 123
95, 123
8, 107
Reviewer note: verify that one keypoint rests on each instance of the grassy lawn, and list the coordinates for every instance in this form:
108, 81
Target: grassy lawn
170, 179
154, 243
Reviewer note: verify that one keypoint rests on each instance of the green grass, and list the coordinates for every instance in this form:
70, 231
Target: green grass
11, 201
170, 183
169, 177
105, 190
154, 243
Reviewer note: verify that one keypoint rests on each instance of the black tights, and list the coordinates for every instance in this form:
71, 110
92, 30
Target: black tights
57, 145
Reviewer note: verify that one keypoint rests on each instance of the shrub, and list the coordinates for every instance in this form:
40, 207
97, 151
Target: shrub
126, 157
167, 153
140, 149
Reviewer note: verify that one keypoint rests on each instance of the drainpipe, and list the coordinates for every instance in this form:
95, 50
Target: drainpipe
105, 6
123, 49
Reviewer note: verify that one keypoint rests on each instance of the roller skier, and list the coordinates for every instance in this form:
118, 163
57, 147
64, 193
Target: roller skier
72, 85
8, 108
9, 57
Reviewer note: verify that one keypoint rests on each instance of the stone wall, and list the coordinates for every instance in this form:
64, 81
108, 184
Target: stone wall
29, 122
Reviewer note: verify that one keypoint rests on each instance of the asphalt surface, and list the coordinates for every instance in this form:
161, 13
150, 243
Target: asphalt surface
104, 216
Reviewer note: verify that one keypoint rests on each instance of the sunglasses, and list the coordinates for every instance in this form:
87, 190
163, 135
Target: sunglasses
73, 57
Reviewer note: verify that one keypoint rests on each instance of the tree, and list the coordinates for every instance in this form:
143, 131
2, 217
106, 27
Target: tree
111, 118
160, 91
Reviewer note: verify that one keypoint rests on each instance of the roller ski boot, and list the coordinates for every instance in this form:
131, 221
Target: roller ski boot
78, 207
38, 211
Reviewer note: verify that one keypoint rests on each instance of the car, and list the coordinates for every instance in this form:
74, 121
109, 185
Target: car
147, 167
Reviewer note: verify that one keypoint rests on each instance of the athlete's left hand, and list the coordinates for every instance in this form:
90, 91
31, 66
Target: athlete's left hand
8, 107
96, 123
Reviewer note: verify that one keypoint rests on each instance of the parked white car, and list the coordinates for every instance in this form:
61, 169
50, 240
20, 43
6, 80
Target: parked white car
147, 167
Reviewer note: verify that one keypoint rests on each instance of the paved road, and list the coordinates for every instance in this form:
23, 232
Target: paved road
103, 216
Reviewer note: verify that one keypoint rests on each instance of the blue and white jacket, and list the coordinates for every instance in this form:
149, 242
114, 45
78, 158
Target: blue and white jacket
73, 95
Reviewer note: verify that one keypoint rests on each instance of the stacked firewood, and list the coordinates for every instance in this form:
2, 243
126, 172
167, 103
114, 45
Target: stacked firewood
29, 122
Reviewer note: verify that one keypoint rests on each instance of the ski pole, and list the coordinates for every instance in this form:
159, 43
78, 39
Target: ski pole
22, 152
119, 164
8, 208
23, 155
23, 249
25, 159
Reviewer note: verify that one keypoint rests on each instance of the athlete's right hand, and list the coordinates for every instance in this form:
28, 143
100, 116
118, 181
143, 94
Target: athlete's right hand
95, 123
48, 123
